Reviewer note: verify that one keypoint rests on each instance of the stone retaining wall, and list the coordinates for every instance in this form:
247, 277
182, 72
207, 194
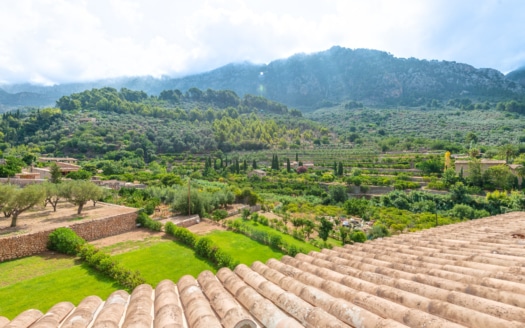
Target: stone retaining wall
20, 182
34, 243
188, 222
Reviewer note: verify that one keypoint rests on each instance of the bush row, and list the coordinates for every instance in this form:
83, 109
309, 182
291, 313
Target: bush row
144, 220
181, 234
65, 240
271, 239
103, 262
203, 247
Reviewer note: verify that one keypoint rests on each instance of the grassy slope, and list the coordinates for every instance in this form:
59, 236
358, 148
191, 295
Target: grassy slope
243, 248
287, 238
71, 284
165, 260
30, 267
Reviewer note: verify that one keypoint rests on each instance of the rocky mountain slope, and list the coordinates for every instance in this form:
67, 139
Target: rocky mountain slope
333, 76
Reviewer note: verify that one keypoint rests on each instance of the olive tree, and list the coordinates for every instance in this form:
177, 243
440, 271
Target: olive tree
23, 199
6, 193
79, 192
53, 194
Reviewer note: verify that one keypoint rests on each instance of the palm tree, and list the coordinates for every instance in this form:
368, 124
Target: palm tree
509, 151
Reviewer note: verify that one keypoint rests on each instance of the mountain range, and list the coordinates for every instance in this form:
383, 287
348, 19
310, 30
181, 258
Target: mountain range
309, 81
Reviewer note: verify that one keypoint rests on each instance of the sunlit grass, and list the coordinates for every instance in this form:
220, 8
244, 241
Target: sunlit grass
287, 238
242, 248
164, 260
30, 267
70, 284
131, 245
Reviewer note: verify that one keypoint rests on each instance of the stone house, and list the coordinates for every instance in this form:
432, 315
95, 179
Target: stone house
463, 166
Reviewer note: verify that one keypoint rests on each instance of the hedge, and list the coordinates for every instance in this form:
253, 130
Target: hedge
66, 241
144, 220
105, 264
203, 247
181, 234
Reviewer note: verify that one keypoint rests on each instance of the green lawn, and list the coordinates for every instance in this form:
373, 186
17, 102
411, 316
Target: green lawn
39, 282
242, 248
71, 284
164, 260
30, 267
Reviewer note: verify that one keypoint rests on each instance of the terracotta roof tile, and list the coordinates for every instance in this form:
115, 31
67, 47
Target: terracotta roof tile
55, 315
470, 274
25, 319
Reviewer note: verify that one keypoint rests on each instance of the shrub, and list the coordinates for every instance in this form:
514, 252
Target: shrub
204, 247
224, 260
378, 231
181, 234
218, 215
144, 220
275, 241
292, 250
358, 236
65, 240
297, 234
254, 217
150, 208
245, 213
263, 220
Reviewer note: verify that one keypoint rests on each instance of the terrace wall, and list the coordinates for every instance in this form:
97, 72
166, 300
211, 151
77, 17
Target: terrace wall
20, 182
13, 247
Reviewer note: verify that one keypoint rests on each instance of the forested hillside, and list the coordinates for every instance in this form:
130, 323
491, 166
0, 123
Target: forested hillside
331, 77
125, 123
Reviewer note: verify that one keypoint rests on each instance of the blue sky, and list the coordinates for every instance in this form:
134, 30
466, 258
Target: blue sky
58, 41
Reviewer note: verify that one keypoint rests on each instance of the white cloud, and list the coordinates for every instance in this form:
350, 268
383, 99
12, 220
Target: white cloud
53, 41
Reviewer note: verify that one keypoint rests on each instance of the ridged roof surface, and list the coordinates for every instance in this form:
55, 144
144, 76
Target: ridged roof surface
470, 274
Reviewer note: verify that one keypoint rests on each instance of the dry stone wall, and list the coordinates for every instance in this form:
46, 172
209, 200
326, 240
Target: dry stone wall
34, 243
20, 182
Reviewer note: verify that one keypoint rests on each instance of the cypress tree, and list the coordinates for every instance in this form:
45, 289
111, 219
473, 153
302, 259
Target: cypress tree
340, 169
288, 165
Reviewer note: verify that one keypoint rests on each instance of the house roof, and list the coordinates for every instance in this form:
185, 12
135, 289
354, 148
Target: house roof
470, 274
57, 159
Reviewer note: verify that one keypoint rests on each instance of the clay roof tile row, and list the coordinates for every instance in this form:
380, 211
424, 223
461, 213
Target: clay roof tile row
470, 274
